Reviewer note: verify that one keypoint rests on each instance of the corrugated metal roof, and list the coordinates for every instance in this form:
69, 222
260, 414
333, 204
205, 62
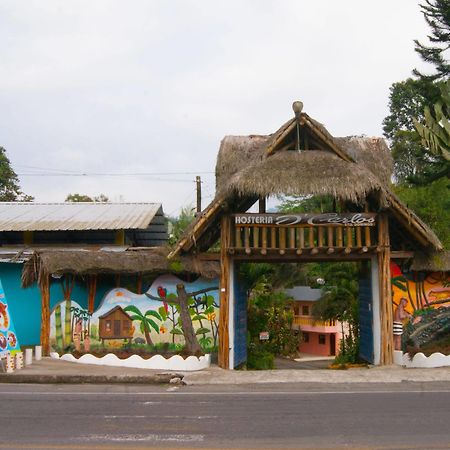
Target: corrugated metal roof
76, 216
304, 293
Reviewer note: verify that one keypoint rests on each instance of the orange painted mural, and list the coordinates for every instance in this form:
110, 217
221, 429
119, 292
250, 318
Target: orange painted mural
421, 307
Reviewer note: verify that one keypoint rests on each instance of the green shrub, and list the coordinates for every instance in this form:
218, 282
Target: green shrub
259, 357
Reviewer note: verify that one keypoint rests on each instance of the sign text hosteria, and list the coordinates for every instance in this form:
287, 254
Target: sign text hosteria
328, 219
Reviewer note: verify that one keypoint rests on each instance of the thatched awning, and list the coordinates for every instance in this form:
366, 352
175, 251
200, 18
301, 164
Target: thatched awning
432, 262
89, 262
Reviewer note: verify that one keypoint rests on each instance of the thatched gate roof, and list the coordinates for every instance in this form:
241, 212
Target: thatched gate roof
349, 168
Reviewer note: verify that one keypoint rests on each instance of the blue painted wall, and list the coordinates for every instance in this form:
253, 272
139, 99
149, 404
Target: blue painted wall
25, 304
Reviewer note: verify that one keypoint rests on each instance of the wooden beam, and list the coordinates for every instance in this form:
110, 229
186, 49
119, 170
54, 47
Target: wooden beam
280, 138
402, 254
224, 338
305, 119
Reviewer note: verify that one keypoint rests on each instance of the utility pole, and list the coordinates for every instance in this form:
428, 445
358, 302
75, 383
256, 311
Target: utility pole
198, 183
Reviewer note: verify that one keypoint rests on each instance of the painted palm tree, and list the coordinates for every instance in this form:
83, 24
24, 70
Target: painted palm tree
146, 321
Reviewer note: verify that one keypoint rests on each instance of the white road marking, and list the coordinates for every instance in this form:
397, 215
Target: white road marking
240, 393
144, 437
150, 403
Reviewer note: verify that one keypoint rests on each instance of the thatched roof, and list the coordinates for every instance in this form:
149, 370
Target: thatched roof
431, 261
348, 168
314, 172
88, 262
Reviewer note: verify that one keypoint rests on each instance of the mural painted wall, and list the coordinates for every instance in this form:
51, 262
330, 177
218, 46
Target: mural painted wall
421, 306
8, 337
25, 304
129, 322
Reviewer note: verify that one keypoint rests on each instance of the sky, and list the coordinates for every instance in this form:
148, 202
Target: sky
132, 99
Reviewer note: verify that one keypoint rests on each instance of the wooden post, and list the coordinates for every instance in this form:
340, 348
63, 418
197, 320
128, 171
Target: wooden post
224, 339
120, 237
262, 205
92, 290
44, 286
384, 276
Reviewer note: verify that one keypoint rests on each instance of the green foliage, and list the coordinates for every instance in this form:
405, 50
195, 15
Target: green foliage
9, 182
270, 311
407, 101
102, 198
259, 358
432, 204
435, 132
437, 16
311, 204
179, 224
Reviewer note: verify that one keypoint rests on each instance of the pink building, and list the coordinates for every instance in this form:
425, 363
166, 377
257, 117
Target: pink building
318, 337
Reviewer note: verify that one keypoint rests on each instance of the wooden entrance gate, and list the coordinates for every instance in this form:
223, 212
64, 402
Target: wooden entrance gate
296, 238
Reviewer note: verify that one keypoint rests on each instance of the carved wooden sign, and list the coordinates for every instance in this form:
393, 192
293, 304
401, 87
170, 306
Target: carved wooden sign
328, 219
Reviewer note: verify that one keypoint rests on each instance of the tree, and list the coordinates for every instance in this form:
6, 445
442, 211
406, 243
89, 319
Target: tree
437, 16
9, 182
435, 132
102, 198
180, 224
339, 301
407, 101
432, 204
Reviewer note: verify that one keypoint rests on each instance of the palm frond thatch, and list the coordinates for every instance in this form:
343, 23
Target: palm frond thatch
88, 262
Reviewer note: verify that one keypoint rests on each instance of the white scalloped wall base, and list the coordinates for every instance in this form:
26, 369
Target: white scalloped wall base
420, 360
157, 362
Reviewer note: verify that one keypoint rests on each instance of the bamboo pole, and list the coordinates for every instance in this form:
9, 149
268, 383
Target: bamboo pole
264, 241
384, 276
340, 237
238, 237
247, 240
224, 339
273, 237
292, 237
255, 237
282, 235
300, 240
358, 237
320, 237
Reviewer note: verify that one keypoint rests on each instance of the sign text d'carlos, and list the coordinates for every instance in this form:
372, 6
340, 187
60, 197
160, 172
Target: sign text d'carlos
329, 219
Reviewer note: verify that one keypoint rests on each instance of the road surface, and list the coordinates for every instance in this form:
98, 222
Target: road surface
313, 416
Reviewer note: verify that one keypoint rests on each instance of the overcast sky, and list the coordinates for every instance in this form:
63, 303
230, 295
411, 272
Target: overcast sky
108, 87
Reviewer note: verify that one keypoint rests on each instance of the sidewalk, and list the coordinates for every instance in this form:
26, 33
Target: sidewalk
49, 371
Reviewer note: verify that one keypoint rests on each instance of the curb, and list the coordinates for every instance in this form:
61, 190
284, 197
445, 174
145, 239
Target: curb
160, 378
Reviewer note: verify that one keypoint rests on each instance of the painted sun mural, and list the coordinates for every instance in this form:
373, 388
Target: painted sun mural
421, 307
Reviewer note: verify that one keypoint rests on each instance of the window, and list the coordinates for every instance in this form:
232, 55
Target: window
305, 337
322, 339
305, 310
108, 325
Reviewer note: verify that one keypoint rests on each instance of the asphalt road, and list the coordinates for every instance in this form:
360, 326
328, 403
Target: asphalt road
314, 416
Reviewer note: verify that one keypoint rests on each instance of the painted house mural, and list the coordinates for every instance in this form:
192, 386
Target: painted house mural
421, 308
126, 320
